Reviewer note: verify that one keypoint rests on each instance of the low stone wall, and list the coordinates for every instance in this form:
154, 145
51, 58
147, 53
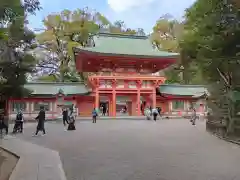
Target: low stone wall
8, 162
216, 128
35, 162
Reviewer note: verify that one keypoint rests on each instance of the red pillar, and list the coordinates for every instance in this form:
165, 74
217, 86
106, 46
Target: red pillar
114, 83
138, 103
154, 98
109, 106
139, 85
114, 103
97, 99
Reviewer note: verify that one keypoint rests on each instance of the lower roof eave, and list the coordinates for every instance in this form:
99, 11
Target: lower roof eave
180, 96
54, 95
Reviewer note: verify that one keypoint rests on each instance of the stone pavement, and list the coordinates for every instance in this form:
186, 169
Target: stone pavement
140, 150
35, 162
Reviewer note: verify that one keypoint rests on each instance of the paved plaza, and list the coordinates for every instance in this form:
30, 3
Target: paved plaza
140, 150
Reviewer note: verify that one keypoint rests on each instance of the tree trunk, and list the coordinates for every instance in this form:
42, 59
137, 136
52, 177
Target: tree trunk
231, 113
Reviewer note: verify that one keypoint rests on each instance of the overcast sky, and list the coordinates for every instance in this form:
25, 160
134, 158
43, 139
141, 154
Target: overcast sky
135, 13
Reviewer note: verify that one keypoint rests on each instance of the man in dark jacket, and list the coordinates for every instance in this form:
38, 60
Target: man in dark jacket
65, 116
3, 123
41, 121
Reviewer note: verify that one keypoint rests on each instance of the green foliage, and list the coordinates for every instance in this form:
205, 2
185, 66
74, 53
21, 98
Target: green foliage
11, 9
69, 29
166, 34
211, 41
15, 42
64, 31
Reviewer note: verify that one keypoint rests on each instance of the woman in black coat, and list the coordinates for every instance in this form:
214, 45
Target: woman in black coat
3, 124
41, 121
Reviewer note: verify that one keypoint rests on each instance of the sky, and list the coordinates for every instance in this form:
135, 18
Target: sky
135, 13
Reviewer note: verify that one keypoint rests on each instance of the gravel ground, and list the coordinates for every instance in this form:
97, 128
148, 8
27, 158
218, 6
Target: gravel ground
140, 150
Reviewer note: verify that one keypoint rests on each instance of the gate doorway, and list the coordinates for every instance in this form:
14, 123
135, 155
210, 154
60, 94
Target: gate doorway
104, 108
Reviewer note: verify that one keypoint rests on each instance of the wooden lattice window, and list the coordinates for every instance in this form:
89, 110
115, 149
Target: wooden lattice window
16, 106
46, 106
177, 105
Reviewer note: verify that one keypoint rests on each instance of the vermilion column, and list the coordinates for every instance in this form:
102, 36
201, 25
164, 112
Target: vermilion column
114, 104
138, 103
110, 107
154, 98
139, 85
114, 83
97, 99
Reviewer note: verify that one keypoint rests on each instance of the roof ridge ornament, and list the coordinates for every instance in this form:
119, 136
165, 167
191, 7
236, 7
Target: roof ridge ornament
60, 91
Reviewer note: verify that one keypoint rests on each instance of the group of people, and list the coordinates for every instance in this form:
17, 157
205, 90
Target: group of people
155, 112
104, 109
67, 114
69, 118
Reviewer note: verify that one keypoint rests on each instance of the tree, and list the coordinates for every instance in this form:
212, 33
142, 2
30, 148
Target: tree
212, 42
119, 27
63, 31
141, 32
16, 40
10, 9
66, 30
165, 37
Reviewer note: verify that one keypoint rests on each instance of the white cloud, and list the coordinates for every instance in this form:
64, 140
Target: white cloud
123, 5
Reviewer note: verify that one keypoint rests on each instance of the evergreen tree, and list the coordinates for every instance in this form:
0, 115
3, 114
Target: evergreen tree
15, 42
212, 42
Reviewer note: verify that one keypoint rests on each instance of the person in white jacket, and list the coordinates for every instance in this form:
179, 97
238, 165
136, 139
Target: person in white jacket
155, 114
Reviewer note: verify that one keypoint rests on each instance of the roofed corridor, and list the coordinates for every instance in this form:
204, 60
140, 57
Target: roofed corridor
140, 150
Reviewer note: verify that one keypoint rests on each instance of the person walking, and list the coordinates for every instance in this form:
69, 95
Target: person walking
147, 113
41, 120
3, 124
94, 115
155, 114
194, 116
71, 120
18, 122
65, 116
104, 109
159, 111
150, 109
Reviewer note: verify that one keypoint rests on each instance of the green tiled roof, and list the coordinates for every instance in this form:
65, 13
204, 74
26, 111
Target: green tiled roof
131, 45
183, 90
45, 88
